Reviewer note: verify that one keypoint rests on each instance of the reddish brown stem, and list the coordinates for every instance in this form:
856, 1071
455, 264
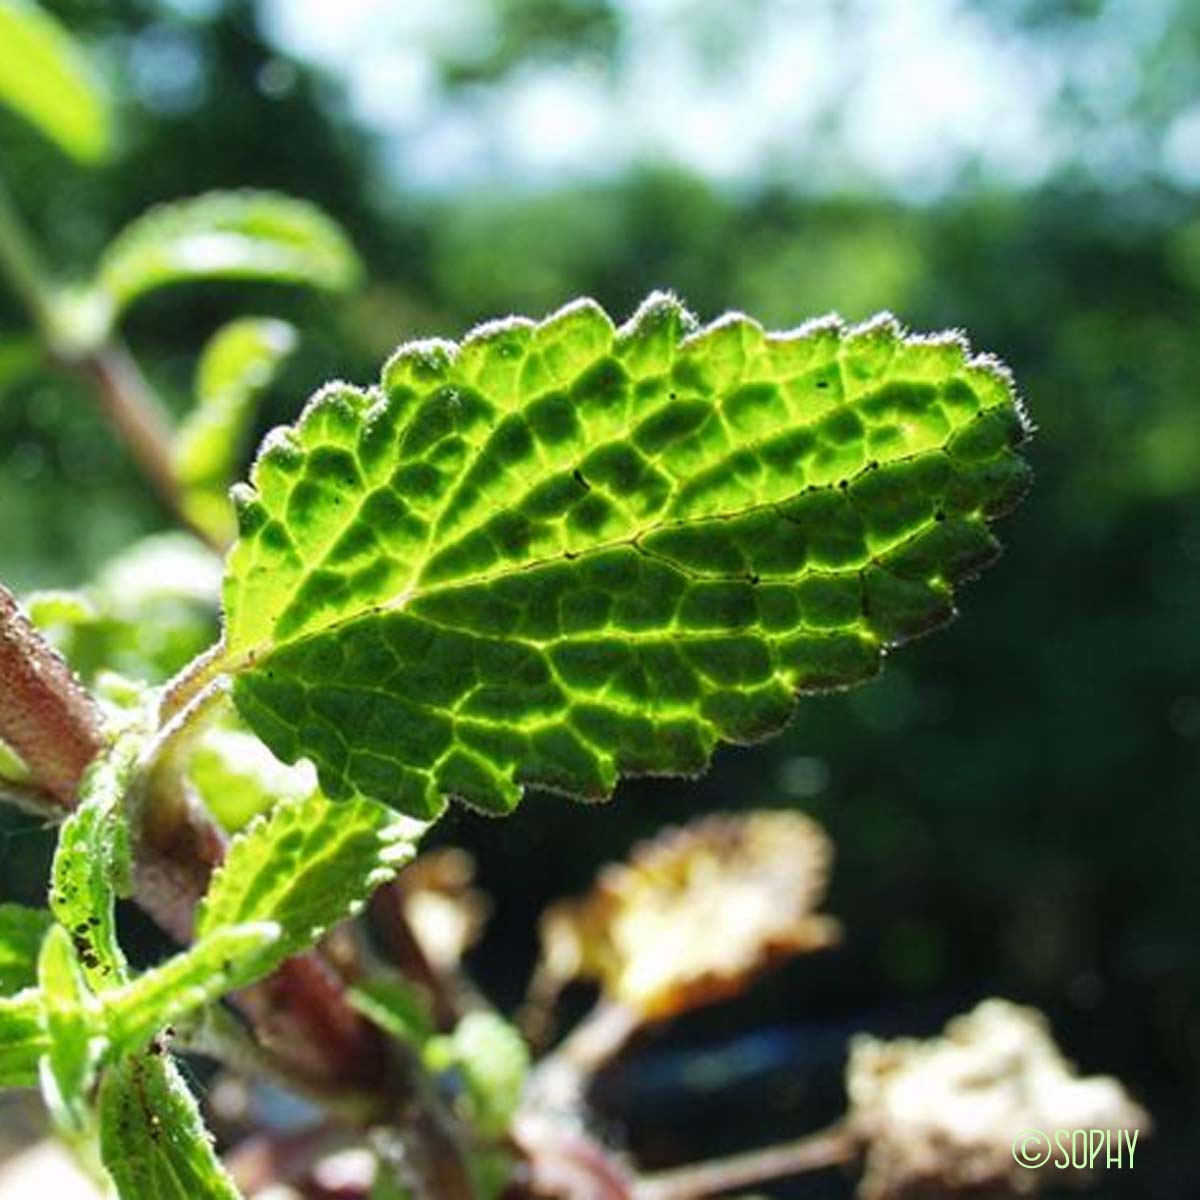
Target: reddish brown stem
46, 716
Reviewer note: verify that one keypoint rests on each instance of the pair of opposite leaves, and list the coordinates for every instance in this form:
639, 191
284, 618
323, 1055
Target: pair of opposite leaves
562, 552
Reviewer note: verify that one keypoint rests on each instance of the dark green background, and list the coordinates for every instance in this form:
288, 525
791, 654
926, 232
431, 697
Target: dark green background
1015, 803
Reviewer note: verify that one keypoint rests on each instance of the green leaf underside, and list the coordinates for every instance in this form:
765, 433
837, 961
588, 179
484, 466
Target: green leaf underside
45, 78
152, 1139
21, 933
306, 866
559, 553
23, 1038
91, 867
69, 1017
228, 235
221, 961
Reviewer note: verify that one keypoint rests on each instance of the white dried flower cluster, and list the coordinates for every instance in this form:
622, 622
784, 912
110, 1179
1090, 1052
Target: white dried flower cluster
938, 1118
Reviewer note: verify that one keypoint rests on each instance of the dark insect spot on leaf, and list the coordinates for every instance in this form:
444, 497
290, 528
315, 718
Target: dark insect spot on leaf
81, 928
156, 1047
843, 484
94, 922
754, 577
822, 383
939, 515
577, 475
873, 465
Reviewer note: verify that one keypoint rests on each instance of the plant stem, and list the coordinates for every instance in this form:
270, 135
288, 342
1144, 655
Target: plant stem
22, 265
46, 716
829, 1148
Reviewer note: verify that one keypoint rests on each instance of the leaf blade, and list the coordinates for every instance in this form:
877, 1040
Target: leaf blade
560, 553
238, 362
21, 933
152, 1138
228, 235
45, 77
23, 1039
305, 866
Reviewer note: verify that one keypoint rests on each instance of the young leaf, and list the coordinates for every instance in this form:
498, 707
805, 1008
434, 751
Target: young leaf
152, 1137
305, 866
45, 78
91, 866
239, 361
238, 778
70, 1021
395, 1005
219, 962
228, 235
559, 553
23, 1038
493, 1061
21, 933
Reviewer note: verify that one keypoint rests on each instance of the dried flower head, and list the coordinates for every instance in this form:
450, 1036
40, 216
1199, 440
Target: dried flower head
696, 914
950, 1116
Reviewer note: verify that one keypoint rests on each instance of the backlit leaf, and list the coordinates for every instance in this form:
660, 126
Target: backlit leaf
21, 933
219, 962
237, 364
45, 78
558, 553
305, 866
228, 235
152, 1139
23, 1038
91, 867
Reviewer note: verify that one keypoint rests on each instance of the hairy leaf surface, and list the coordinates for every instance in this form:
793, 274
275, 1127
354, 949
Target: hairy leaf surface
21, 933
45, 78
91, 867
221, 961
305, 866
228, 235
562, 552
152, 1139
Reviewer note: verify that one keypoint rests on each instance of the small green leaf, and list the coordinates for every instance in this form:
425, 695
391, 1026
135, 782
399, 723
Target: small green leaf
561, 553
21, 933
23, 1039
45, 77
306, 866
91, 866
12, 768
395, 1005
238, 778
70, 1019
228, 235
151, 610
237, 364
219, 962
493, 1061
152, 1137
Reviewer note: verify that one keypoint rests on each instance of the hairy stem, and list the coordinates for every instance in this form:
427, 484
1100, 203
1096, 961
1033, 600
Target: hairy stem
46, 716
829, 1148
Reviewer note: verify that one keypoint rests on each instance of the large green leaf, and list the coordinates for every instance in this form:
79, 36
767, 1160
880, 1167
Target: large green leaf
228, 235
238, 362
23, 1038
21, 933
152, 1139
559, 553
45, 78
305, 866
91, 866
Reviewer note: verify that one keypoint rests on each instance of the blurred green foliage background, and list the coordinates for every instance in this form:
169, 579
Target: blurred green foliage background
1015, 803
